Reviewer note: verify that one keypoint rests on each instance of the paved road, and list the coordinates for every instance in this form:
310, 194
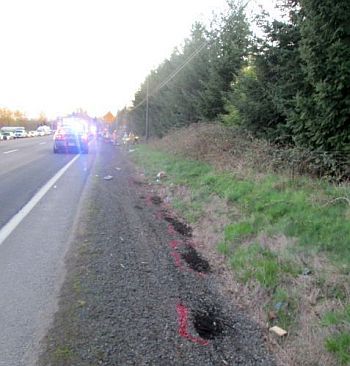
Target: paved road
25, 165
31, 258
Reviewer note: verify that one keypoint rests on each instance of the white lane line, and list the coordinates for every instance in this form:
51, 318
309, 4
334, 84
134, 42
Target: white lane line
10, 151
43, 143
20, 215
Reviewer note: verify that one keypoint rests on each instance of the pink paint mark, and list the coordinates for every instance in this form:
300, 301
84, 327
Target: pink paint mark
171, 230
174, 244
182, 313
177, 259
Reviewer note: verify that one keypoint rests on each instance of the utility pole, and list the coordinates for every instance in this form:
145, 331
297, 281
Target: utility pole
147, 119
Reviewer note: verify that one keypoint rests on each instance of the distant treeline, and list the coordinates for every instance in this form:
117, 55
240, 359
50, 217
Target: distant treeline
16, 118
291, 86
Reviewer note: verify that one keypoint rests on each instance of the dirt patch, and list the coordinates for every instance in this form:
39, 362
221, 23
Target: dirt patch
194, 260
138, 181
207, 323
156, 200
179, 226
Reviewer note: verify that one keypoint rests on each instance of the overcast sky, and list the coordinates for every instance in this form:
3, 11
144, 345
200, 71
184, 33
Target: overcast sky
60, 55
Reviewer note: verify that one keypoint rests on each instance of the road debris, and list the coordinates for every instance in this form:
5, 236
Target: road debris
108, 177
278, 331
280, 305
161, 175
307, 271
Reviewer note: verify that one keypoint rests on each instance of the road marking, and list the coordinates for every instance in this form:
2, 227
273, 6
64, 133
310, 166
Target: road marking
43, 143
20, 215
10, 151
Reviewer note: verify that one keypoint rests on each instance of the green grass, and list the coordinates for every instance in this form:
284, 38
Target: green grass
339, 345
255, 262
238, 230
190, 211
337, 317
63, 353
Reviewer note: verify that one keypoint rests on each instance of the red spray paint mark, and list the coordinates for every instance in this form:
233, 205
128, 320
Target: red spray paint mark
174, 244
171, 230
182, 313
177, 259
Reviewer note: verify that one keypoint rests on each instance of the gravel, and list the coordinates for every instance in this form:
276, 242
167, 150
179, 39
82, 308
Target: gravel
130, 298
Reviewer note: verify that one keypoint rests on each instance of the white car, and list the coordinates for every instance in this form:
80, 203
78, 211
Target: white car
20, 133
43, 130
7, 135
33, 133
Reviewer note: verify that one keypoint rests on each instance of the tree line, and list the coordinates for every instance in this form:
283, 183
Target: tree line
290, 86
17, 118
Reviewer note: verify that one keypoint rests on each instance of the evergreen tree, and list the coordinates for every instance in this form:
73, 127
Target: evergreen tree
230, 40
322, 115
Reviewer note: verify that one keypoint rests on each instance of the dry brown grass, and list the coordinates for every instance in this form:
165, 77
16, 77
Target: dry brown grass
224, 148
234, 149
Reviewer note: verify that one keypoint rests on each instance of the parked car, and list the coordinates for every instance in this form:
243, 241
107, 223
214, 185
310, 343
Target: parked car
20, 132
44, 130
33, 133
69, 139
7, 135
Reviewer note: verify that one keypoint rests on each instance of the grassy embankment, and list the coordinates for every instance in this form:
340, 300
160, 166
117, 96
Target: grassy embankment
291, 238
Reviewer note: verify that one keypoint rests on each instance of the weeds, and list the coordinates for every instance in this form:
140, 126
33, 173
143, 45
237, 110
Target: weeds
283, 306
63, 353
340, 346
337, 317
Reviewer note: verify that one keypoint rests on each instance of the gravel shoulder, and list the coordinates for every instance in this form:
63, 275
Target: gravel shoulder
137, 292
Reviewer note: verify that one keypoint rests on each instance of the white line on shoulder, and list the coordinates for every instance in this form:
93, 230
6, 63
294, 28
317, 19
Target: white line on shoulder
10, 151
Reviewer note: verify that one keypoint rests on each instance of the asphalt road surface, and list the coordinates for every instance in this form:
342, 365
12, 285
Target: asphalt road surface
31, 256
